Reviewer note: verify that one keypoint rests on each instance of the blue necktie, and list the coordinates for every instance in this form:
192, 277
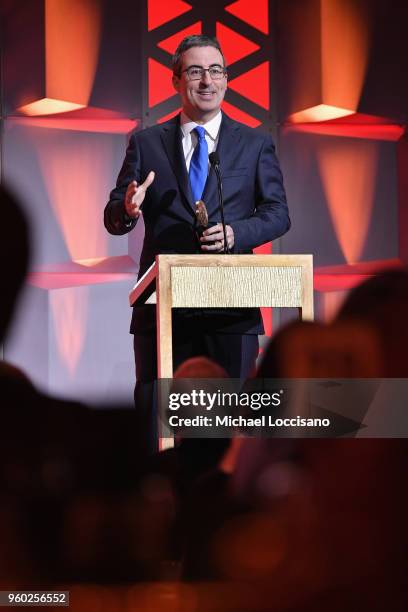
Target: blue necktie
199, 165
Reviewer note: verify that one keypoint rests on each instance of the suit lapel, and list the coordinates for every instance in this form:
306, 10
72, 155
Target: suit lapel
171, 139
227, 144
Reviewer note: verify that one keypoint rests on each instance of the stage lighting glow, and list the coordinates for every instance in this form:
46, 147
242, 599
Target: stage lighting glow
69, 168
69, 316
348, 171
367, 131
345, 42
72, 40
48, 106
331, 86
320, 112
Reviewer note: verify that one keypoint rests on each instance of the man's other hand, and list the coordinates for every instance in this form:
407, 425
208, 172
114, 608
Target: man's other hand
212, 240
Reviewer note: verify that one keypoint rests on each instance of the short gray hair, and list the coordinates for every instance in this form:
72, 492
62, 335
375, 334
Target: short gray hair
195, 40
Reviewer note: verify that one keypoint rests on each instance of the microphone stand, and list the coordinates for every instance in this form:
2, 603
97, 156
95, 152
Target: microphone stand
215, 163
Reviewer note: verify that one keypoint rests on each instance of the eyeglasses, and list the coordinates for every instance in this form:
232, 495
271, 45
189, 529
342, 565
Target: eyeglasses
196, 73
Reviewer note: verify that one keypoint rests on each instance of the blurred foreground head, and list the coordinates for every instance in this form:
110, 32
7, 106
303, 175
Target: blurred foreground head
14, 255
306, 349
366, 340
200, 367
382, 302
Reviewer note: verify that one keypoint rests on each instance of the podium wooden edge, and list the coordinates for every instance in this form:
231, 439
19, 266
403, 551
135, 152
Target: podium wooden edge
142, 284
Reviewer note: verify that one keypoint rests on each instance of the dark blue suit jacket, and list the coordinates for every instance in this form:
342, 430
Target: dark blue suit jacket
254, 203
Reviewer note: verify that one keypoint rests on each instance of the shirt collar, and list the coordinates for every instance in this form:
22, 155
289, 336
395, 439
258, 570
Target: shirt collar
212, 127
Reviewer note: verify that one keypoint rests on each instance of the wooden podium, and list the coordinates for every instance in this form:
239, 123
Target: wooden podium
221, 281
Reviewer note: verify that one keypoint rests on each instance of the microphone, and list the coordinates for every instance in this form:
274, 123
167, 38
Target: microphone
215, 164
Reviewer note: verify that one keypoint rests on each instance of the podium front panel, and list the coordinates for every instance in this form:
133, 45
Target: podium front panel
236, 287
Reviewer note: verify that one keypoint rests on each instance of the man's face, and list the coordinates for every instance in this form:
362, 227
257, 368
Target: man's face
201, 99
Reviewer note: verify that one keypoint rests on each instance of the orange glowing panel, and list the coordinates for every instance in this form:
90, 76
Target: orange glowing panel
320, 112
234, 46
255, 15
72, 169
331, 52
348, 171
160, 83
72, 39
331, 303
48, 106
239, 115
344, 52
171, 43
69, 314
254, 85
161, 11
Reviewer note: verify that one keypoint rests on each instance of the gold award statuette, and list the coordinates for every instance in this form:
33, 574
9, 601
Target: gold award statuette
202, 220
201, 214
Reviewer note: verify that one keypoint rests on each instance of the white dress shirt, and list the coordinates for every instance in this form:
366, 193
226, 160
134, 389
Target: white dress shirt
189, 138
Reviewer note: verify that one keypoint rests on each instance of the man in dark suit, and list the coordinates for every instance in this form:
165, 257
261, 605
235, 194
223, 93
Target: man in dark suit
167, 170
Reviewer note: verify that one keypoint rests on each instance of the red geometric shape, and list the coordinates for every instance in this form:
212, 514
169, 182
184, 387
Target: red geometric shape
255, 15
362, 268
88, 119
267, 320
169, 116
264, 249
239, 115
254, 85
346, 276
161, 11
160, 85
234, 46
106, 126
337, 282
171, 43
363, 119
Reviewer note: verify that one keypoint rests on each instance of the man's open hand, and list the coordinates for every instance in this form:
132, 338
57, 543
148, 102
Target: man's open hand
135, 194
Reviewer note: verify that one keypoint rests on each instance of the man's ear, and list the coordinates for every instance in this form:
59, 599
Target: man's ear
176, 82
